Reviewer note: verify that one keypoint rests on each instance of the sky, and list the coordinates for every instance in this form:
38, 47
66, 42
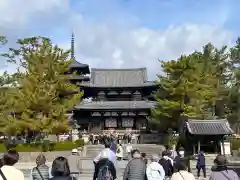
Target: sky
122, 33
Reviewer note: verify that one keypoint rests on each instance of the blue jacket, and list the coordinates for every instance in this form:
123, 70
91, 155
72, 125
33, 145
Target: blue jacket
201, 160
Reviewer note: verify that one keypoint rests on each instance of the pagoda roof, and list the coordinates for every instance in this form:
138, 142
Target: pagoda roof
135, 77
209, 127
106, 105
76, 64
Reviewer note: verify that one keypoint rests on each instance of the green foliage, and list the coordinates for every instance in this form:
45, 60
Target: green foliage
44, 146
235, 144
194, 85
45, 92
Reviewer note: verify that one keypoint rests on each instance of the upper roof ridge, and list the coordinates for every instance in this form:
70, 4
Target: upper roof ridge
119, 69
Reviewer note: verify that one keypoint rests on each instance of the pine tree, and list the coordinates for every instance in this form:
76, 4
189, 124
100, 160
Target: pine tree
181, 89
45, 90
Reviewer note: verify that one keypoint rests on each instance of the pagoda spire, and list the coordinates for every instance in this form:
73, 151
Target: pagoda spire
72, 46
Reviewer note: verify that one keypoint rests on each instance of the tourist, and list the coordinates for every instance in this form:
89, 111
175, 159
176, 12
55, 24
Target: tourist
221, 172
114, 146
182, 173
60, 169
41, 171
143, 155
119, 152
201, 165
104, 168
166, 163
181, 157
136, 167
129, 151
154, 170
8, 171
111, 155
74, 163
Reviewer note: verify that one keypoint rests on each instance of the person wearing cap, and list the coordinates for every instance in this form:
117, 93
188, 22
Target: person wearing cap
154, 170
74, 163
221, 171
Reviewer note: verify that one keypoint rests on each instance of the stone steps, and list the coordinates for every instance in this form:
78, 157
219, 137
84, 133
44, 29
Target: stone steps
149, 149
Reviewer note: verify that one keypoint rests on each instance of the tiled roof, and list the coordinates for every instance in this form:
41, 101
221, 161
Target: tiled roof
78, 77
76, 64
119, 78
209, 127
116, 105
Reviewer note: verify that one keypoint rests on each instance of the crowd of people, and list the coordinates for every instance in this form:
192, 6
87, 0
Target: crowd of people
138, 166
125, 138
159, 168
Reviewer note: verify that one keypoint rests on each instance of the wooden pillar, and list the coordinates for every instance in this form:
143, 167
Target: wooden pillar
199, 146
223, 149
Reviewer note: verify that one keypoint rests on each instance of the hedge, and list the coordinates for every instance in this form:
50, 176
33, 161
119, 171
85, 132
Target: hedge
43, 146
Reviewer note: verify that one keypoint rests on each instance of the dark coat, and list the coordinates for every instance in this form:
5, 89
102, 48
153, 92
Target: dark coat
200, 161
178, 159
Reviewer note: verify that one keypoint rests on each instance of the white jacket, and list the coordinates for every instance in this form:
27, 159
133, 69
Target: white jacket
12, 173
155, 171
182, 175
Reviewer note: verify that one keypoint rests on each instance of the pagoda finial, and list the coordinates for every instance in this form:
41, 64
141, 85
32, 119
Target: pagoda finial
72, 46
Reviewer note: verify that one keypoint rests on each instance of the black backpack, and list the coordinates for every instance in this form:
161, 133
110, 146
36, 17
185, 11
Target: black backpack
167, 166
105, 173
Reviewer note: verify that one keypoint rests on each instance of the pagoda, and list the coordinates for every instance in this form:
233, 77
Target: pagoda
118, 99
81, 70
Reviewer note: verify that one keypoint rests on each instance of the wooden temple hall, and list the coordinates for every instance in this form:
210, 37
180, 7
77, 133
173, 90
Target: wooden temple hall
115, 99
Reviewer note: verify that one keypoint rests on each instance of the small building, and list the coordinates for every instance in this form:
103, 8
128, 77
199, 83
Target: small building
206, 135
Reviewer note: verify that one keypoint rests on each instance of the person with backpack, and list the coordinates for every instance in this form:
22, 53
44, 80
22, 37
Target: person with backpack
104, 168
166, 163
154, 170
136, 167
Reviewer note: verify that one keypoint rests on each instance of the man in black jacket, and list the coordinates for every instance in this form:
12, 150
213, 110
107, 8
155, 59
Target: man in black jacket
181, 158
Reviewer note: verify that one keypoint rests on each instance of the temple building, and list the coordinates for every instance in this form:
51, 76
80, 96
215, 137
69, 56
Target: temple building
113, 98
118, 100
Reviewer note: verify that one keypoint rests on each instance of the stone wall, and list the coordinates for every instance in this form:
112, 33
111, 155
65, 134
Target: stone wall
28, 157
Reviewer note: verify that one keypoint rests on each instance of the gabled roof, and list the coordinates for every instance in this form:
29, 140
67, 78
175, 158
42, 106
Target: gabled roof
106, 105
119, 78
209, 127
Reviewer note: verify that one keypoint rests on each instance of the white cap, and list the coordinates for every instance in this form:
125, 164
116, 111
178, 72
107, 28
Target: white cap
74, 151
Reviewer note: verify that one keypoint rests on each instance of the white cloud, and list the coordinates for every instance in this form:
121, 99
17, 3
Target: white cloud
109, 45
141, 46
